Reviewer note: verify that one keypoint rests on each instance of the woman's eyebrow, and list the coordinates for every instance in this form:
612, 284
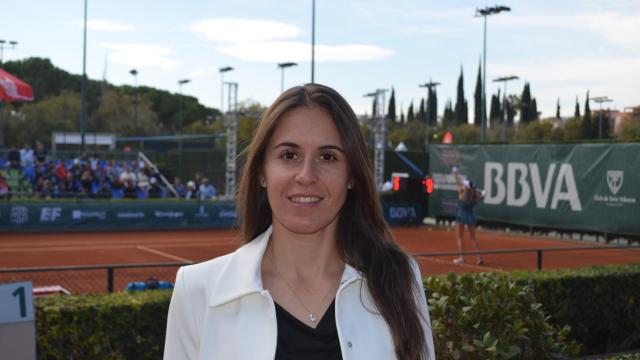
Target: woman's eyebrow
296, 146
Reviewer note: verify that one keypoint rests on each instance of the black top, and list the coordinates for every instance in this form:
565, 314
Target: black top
296, 340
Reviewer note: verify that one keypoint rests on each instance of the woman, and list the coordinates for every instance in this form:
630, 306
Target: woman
319, 275
468, 197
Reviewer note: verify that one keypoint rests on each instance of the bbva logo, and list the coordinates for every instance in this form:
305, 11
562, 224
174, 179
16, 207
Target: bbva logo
522, 178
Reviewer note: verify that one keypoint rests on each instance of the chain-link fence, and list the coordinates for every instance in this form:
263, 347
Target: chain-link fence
91, 279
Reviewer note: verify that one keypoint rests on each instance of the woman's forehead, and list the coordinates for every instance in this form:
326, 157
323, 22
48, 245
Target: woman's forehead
306, 126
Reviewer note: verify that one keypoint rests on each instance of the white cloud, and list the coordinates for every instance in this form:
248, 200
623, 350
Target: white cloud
278, 51
200, 72
233, 31
141, 55
103, 25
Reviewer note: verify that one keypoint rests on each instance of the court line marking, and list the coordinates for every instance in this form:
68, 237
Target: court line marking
162, 253
477, 267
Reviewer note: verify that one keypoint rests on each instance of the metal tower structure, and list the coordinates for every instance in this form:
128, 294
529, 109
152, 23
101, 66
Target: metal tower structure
231, 122
380, 134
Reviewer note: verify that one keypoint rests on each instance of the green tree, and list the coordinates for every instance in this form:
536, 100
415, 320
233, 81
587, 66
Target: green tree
477, 97
558, 109
533, 115
449, 118
116, 115
422, 116
432, 107
495, 114
573, 129
391, 113
410, 115
461, 109
587, 128
38, 120
576, 113
602, 122
525, 105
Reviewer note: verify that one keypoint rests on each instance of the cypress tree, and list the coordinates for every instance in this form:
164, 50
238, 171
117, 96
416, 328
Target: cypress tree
410, 116
511, 113
401, 116
477, 100
432, 107
587, 129
576, 113
449, 117
558, 109
533, 113
422, 115
374, 107
461, 110
391, 113
495, 115
525, 105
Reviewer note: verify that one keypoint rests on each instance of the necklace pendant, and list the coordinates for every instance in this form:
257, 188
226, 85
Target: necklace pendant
312, 317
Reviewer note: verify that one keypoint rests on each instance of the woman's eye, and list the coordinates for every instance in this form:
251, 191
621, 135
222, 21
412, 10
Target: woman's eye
288, 155
327, 157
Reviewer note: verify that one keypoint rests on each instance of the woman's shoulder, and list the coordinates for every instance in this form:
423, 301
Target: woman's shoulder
201, 274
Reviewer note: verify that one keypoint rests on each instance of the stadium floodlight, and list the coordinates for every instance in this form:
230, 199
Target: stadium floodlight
600, 100
313, 40
283, 66
223, 70
180, 83
505, 79
484, 12
431, 84
134, 72
12, 45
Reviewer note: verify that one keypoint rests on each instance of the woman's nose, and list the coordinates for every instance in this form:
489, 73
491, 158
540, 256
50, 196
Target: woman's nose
307, 173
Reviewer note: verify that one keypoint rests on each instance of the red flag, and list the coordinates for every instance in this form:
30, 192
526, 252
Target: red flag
14, 89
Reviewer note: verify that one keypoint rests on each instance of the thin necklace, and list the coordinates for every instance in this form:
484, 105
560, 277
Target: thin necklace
312, 314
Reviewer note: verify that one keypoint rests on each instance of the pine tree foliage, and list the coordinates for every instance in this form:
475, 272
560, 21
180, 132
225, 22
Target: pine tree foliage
461, 109
525, 105
533, 110
477, 99
410, 115
495, 114
391, 112
432, 107
587, 129
449, 118
576, 113
558, 109
422, 115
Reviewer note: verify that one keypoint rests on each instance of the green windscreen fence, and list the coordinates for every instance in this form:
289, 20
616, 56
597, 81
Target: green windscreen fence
117, 215
588, 187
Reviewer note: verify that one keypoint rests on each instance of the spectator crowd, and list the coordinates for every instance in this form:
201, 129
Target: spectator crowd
31, 173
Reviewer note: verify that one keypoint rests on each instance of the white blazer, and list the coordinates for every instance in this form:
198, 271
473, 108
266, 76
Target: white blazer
220, 310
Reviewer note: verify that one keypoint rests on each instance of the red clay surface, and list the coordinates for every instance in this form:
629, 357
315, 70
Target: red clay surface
19, 250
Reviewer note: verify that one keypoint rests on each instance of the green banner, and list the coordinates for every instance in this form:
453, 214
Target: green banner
120, 215
589, 187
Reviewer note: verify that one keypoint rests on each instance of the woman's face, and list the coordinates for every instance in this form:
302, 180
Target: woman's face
305, 171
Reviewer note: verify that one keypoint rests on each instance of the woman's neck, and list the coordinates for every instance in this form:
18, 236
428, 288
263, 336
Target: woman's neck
304, 258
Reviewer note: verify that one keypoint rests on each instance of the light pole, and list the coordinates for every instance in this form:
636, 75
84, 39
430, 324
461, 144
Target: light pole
313, 40
11, 43
223, 70
83, 102
505, 79
600, 100
180, 83
134, 72
429, 86
489, 10
283, 66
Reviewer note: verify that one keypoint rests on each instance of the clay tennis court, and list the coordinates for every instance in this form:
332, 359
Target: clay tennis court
19, 250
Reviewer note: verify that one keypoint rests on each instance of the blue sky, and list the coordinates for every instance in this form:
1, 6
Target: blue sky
563, 48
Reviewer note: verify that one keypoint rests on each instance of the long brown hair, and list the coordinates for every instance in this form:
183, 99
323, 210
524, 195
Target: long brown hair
364, 240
